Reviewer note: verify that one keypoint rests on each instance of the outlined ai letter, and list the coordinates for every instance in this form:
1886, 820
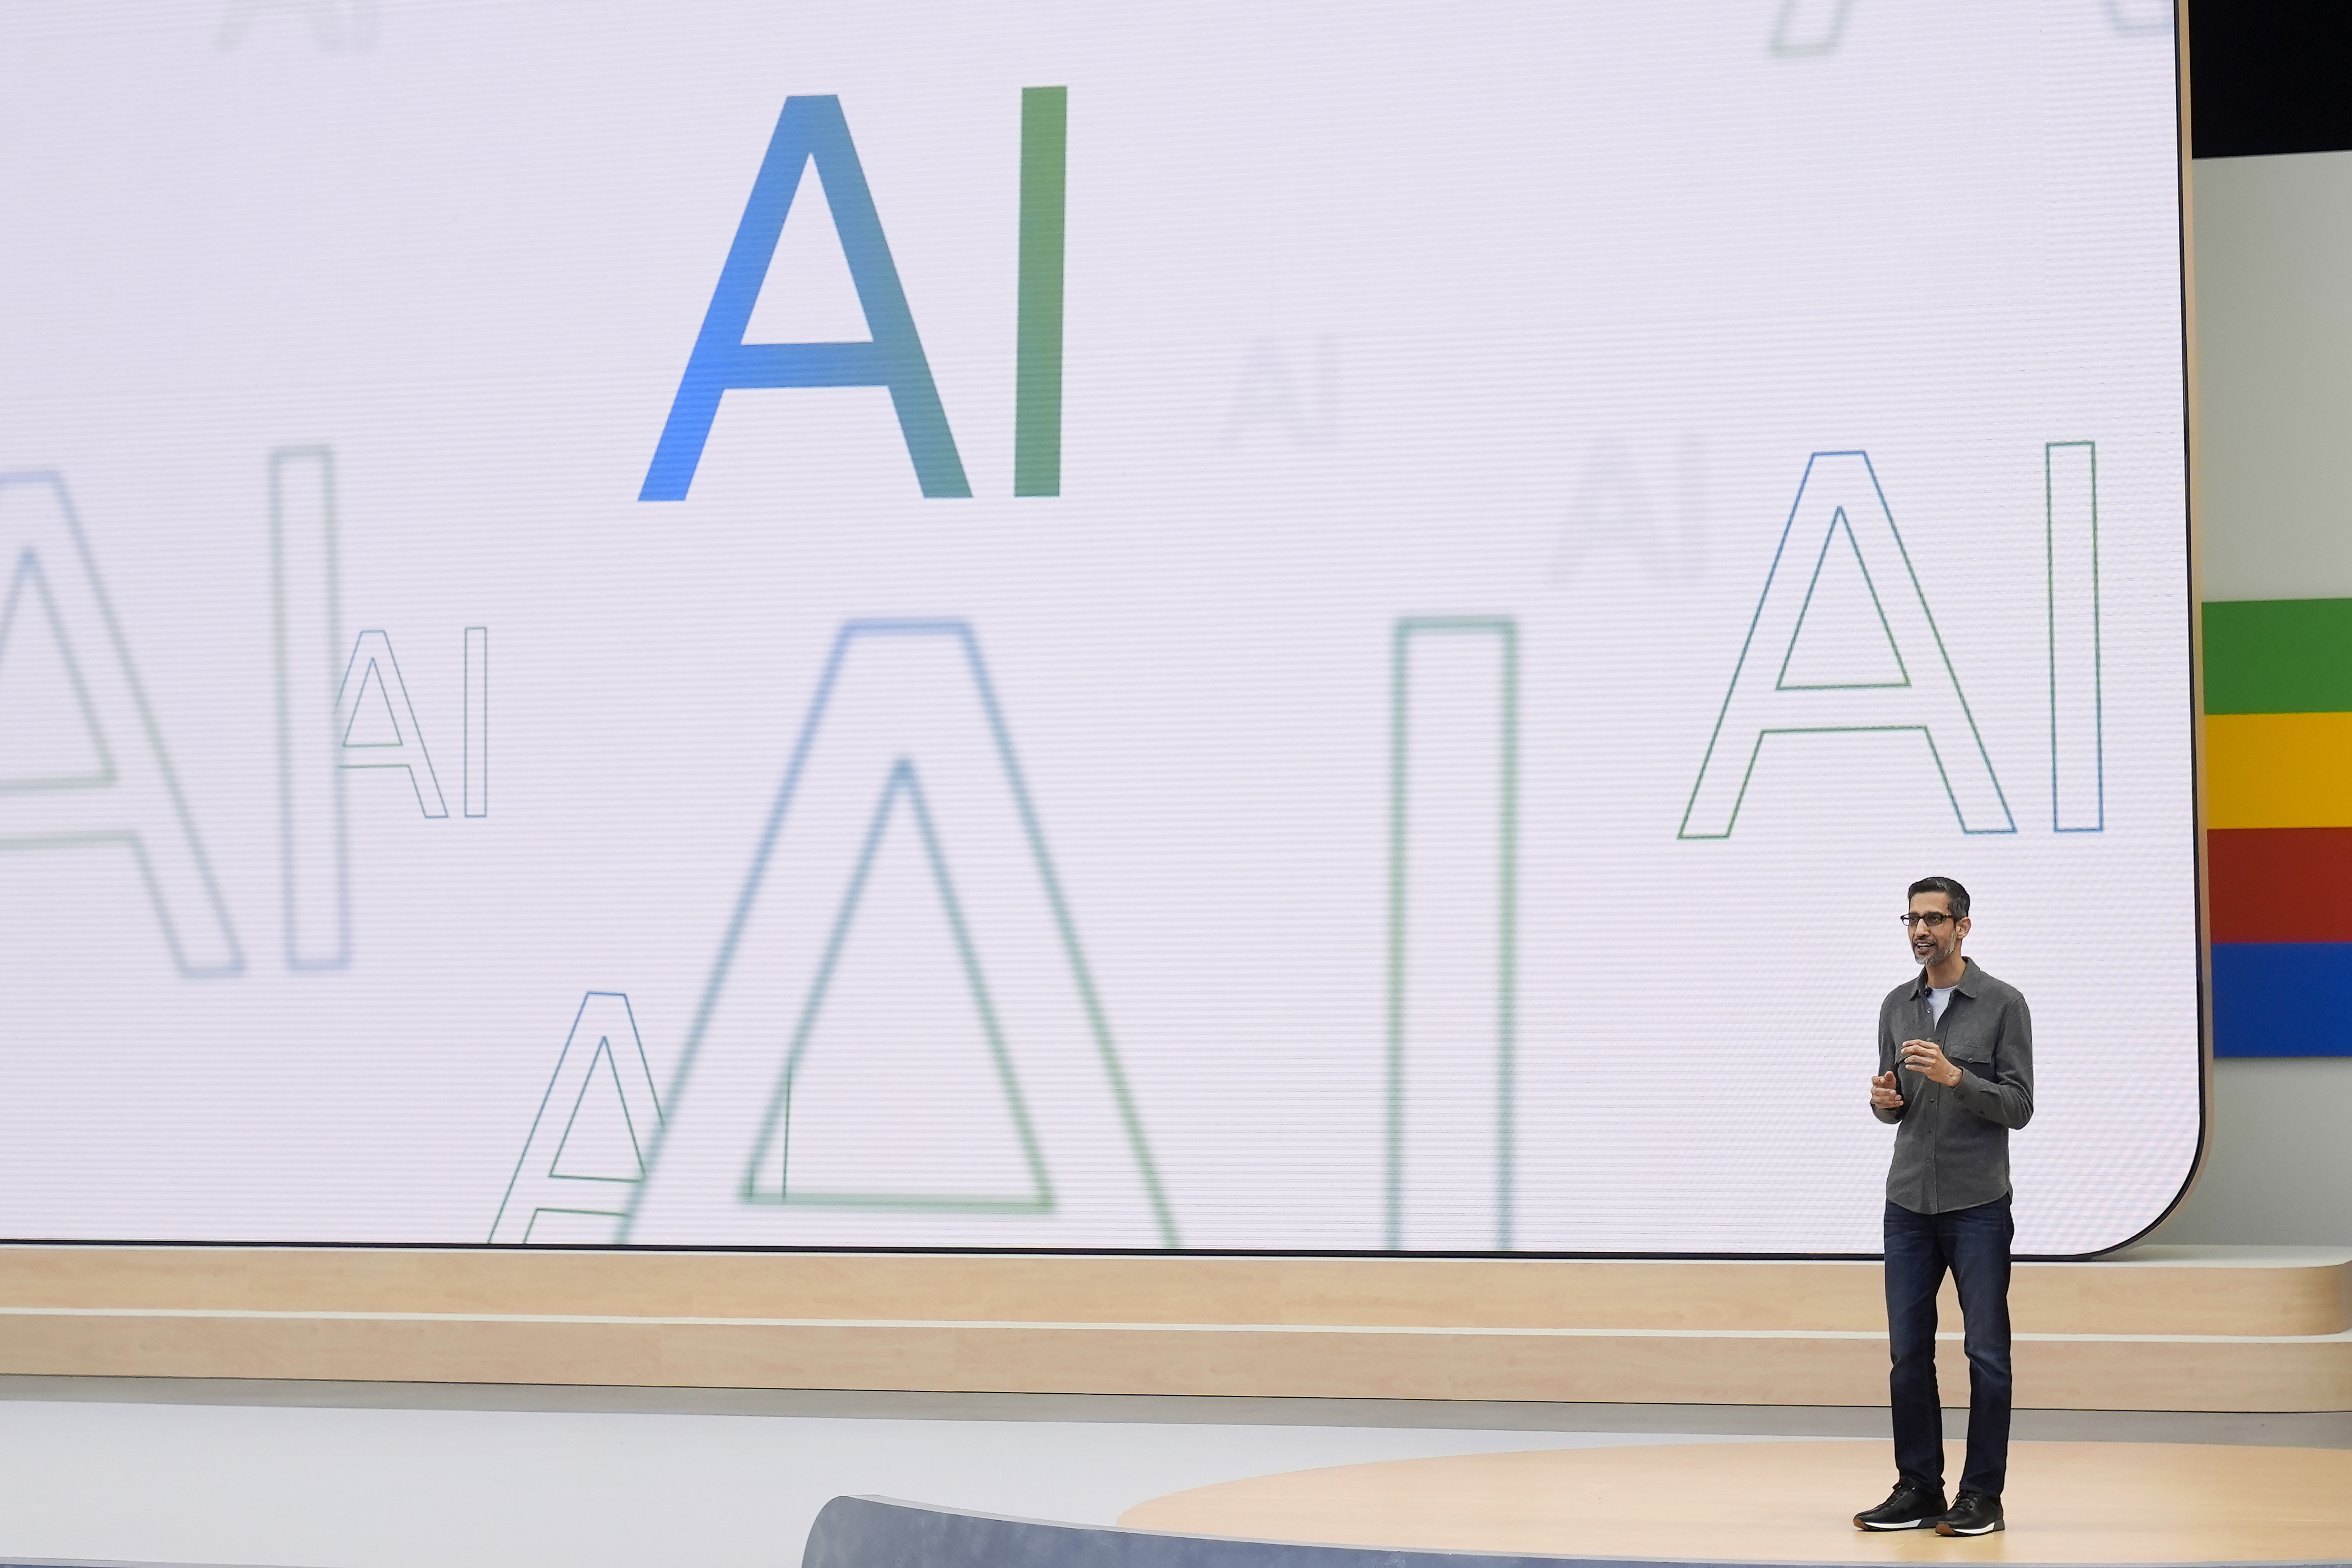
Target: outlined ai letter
1842, 641
901, 1043
586, 1149
808, 128
85, 761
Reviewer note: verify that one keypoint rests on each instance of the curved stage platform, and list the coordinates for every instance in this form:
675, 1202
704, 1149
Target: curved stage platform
1662, 1506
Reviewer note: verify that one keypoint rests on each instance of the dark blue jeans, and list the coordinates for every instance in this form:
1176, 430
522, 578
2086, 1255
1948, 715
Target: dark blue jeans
1973, 1243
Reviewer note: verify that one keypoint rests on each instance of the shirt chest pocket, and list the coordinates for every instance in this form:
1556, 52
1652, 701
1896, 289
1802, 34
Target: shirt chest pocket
1970, 1040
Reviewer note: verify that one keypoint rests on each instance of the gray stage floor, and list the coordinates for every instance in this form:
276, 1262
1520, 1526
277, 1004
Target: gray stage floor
360, 1475
2324, 1429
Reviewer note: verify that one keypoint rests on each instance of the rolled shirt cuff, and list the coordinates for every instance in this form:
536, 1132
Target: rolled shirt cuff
1974, 1093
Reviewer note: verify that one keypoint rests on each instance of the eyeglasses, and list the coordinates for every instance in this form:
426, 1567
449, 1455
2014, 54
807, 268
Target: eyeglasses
1931, 920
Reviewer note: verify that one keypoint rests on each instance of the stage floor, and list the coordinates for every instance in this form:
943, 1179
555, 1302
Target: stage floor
388, 1475
1792, 1502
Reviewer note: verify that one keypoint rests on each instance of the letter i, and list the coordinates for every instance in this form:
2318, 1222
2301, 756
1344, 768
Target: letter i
1037, 368
316, 871
478, 721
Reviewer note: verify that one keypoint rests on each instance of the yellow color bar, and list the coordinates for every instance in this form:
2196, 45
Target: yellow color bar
2278, 770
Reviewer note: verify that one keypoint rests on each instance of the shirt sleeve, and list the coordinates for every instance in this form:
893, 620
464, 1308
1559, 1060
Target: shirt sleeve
1887, 1064
2007, 1098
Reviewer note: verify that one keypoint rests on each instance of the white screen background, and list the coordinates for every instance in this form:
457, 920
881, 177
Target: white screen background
1531, 318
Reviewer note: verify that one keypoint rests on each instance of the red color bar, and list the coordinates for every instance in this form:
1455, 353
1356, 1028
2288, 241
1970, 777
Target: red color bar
2280, 885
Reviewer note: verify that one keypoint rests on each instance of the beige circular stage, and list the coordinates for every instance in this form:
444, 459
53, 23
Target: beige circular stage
1793, 1501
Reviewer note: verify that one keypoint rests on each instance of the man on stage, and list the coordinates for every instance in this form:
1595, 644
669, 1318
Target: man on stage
1955, 1074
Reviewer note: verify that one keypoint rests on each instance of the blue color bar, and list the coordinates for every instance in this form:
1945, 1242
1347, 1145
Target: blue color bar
2282, 998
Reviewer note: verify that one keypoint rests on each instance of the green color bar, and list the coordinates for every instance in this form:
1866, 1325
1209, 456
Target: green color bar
2278, 655
1037, 375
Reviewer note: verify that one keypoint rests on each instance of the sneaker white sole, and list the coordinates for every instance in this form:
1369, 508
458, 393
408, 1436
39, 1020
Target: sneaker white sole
1979, 1529
1927, 1523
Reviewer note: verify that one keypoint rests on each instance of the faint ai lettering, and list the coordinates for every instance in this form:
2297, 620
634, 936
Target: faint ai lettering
1290, 387
1809, 27
1614, 511
2139, 18
335, 26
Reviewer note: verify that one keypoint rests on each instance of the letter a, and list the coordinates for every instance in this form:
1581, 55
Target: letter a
584, 1156
1842, 581
383, 732
901, 1043
114, 782
809, 128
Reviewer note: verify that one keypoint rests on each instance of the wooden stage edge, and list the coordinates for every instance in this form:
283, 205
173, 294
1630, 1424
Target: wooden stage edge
2211, 1328
1791, 1502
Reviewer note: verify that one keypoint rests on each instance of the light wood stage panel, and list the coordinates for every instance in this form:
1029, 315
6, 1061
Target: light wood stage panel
2158, 1329
1792, 1502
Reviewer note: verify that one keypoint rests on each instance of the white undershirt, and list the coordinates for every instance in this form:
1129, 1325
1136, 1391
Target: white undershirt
1938, 999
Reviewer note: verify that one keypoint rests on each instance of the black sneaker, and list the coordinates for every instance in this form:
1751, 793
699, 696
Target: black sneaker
1907, 1507
1972, 1514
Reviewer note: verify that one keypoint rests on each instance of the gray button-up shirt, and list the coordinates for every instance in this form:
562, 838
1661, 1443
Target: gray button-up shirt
1951, 1145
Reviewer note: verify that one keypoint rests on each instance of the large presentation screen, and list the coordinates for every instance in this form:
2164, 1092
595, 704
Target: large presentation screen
1296, 626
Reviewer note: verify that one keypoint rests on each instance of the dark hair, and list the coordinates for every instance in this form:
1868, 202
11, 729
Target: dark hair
1954, 893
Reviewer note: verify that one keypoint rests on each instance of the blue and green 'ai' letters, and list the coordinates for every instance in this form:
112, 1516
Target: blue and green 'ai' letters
808, 128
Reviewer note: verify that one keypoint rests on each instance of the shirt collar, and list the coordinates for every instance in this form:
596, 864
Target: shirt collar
1965, 985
